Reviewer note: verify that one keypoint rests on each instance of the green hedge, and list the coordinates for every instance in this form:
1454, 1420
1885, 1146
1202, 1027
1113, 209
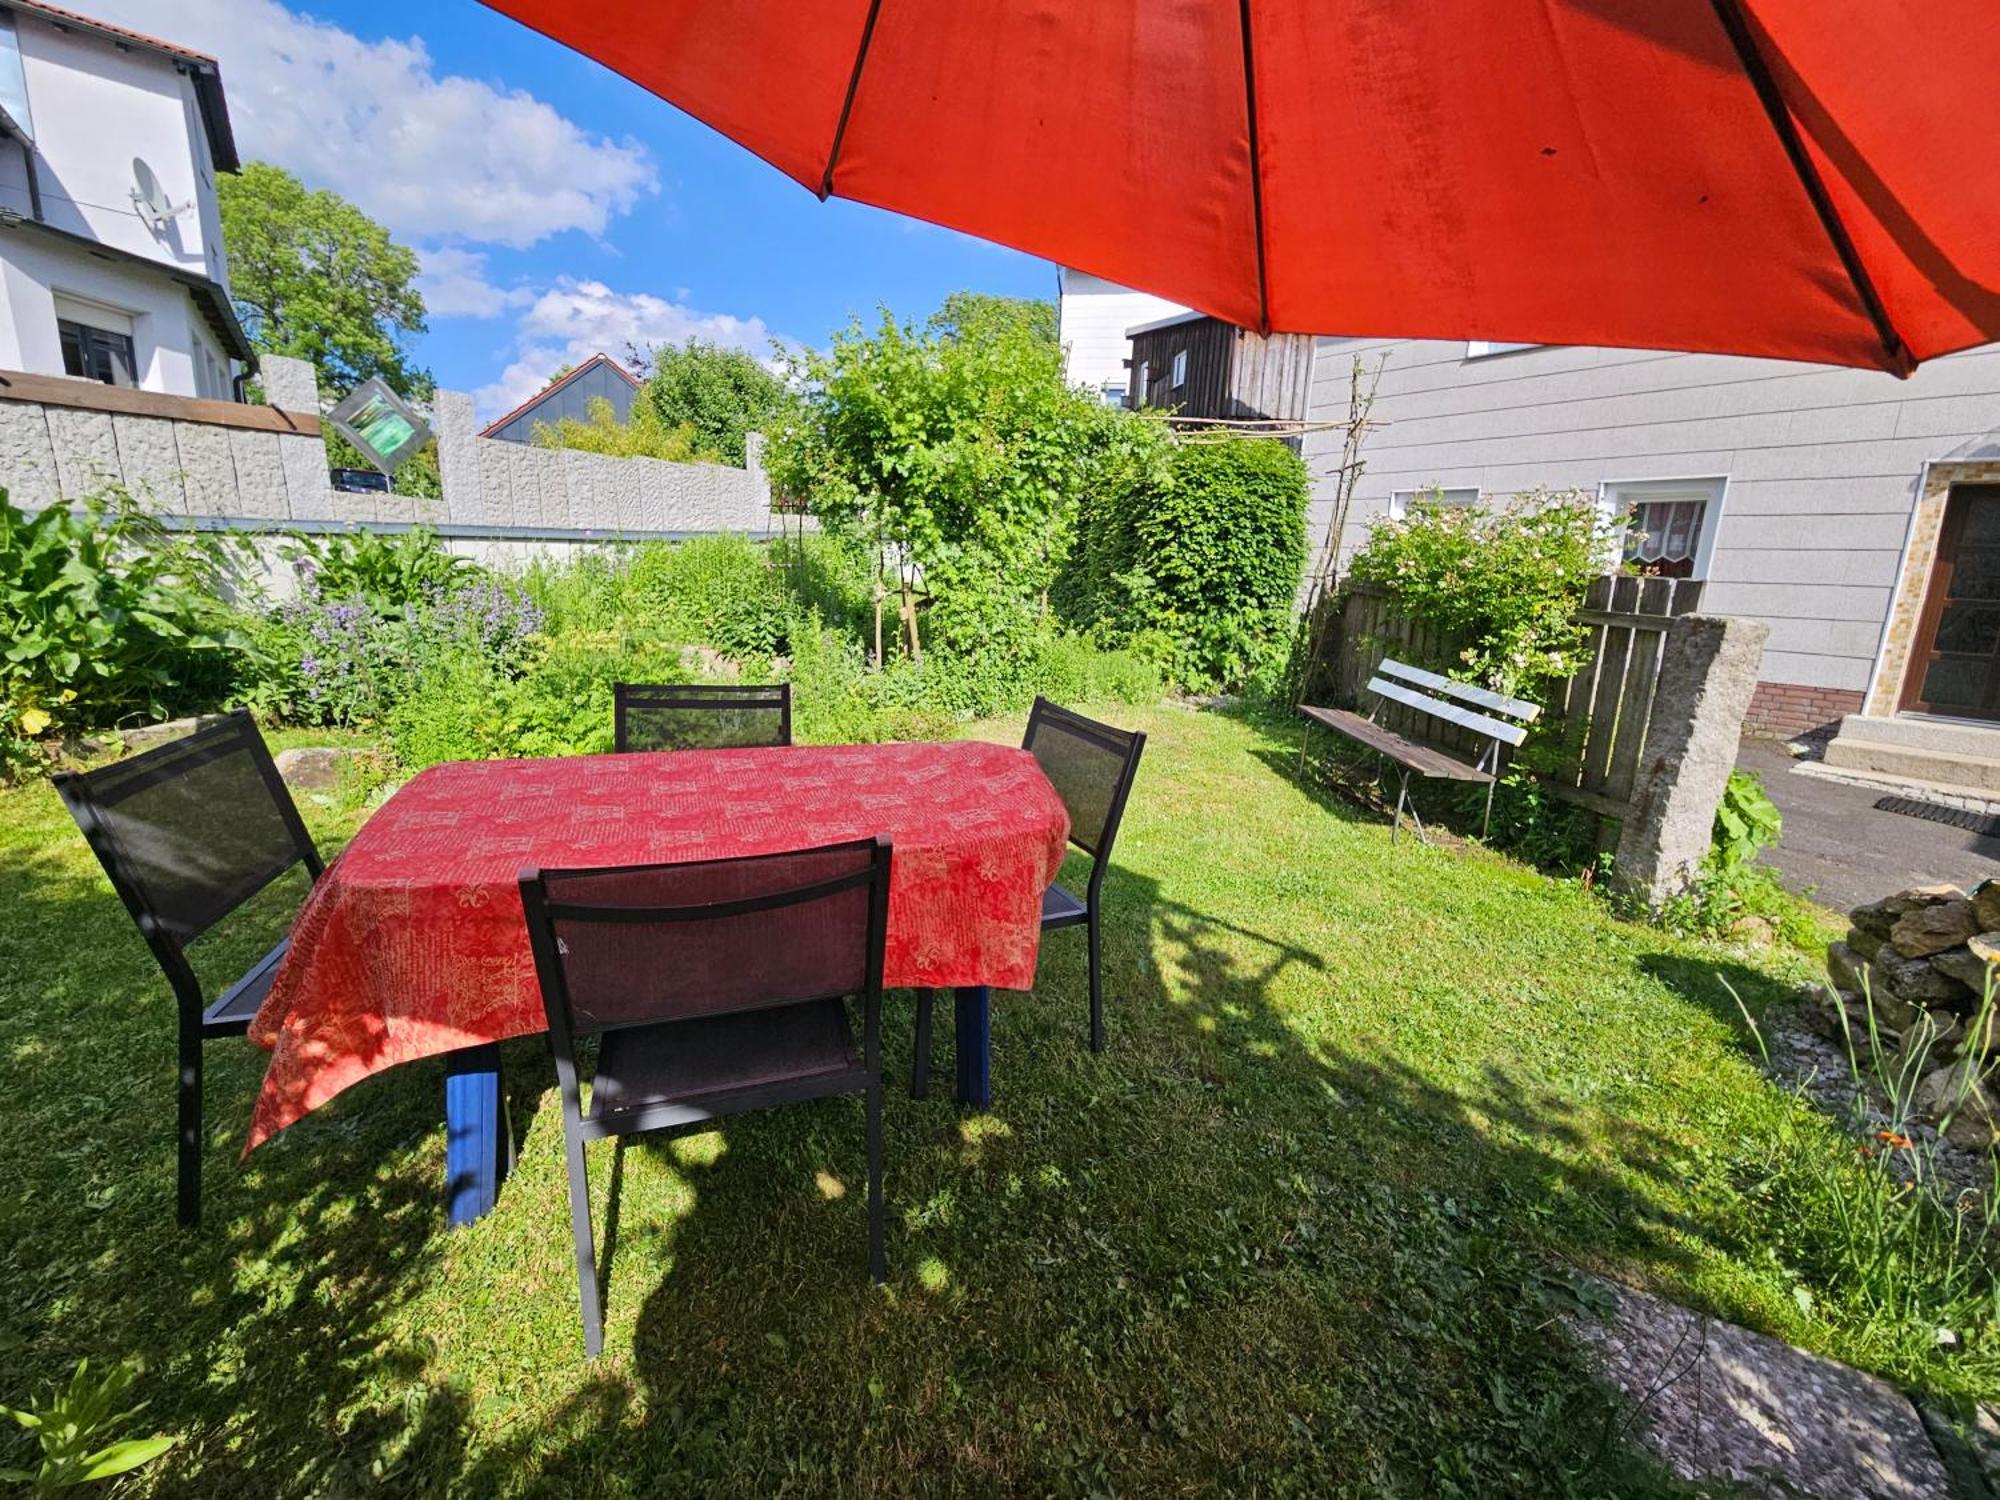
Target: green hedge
1196, 561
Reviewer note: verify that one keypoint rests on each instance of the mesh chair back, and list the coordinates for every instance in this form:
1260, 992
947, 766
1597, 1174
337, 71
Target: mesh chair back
1091, 766
632, 946
701, 716
191, 830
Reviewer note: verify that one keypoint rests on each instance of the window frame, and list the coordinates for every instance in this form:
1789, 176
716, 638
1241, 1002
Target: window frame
1614, 495
1177, 376
90, 339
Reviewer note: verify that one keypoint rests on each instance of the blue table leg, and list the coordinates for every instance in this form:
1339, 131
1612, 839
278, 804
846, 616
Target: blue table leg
474, 1132
973, 1046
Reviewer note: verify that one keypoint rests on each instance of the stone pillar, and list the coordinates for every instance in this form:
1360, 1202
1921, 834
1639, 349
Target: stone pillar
458, 458
289, 384
1707, 674
307, 495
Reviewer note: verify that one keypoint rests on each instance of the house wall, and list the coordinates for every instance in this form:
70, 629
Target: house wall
1094, 314
168, 331
95, 107
1822, 467
572, 401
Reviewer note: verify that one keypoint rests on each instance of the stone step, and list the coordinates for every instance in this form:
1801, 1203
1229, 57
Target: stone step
1938, 736
1910, 764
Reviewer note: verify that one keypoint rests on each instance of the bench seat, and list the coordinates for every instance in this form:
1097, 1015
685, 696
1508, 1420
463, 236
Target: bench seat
1425, 760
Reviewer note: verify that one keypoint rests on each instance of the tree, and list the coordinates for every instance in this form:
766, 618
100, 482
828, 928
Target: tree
957, 460
722, 394
973, 316
315, 278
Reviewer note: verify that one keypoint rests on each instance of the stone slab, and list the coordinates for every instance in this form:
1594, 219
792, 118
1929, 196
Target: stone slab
86, 450
1719, 1402
27, 460
151, 460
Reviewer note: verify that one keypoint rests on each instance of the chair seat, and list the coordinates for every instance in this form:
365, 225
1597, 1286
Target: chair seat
232, 1012
1061, 909
682, 1072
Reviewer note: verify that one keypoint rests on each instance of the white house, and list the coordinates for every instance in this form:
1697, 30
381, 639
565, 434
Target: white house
1855, 513
111, 258
1095, 316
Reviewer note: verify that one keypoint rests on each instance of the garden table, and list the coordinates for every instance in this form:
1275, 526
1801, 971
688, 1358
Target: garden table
412, 943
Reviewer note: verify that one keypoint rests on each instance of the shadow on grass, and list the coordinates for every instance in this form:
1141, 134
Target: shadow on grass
1236, 1244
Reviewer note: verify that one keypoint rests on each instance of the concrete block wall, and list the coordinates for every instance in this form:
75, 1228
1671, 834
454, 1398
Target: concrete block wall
222, 463
491, 483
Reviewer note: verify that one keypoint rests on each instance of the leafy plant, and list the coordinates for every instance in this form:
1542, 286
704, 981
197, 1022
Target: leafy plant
1508, 582
72, 1423
108, 617
716, 395
1746, 821
389, 572
644, 434
1197, 556
956, 462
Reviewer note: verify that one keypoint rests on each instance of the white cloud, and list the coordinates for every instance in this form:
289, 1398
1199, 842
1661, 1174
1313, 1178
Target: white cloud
572, 320
428, 155
454, 285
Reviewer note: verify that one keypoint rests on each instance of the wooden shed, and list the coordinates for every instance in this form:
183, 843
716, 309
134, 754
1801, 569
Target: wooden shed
1200, 366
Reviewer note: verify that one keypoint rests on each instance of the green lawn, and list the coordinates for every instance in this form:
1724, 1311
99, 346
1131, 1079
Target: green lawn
1298, 1231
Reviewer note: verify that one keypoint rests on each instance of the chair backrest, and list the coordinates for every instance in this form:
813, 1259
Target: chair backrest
1091, 766
190, 830
701, 716
1478, 709
640, 944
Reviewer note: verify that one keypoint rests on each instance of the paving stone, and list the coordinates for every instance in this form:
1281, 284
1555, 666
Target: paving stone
1721, 1403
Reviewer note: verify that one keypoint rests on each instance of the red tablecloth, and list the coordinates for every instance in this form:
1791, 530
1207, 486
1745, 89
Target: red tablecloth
412, 943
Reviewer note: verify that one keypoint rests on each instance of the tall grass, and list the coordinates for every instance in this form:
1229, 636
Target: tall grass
1873, 1233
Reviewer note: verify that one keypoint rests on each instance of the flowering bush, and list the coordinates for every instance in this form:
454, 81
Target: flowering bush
1507, 582
348, 660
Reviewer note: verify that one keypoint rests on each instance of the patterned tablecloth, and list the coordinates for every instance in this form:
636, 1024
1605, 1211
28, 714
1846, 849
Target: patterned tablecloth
412, 943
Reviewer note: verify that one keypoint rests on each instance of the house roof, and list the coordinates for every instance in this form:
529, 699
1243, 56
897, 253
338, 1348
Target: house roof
205, 72
556, 385
210, 296
1159, 323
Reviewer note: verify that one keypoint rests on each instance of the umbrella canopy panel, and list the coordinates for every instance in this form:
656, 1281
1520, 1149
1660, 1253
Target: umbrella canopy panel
1805, 179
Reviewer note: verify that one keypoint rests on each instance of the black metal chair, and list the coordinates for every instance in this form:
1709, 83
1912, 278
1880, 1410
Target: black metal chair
701, 716
1092, 766
188, 833
714, 988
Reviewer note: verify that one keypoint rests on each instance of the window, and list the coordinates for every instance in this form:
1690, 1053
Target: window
97, 353
1180, 370
1670, 523
1144, 373
1481, 348
1459, 495
1113, 393
13, 82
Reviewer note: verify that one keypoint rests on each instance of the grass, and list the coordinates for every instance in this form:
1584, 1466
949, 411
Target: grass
1302, 1229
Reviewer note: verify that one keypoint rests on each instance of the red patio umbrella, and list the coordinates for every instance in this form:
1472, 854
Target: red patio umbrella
1808, 179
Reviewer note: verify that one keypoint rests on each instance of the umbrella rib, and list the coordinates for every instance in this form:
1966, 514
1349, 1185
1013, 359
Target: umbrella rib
847, 104
1737, 26
1256, 169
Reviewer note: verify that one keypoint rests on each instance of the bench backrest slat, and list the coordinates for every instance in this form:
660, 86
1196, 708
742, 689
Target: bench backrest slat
1464, 691
1451, 713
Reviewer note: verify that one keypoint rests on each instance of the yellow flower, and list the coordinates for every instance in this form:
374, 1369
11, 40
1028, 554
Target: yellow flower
35, 721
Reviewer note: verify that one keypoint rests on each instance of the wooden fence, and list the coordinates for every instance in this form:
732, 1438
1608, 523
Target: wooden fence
1596, 720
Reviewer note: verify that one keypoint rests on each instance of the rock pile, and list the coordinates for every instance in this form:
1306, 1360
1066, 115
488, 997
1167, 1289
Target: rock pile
1921, 958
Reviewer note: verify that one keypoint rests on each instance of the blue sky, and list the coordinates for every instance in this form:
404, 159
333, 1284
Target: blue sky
558, 207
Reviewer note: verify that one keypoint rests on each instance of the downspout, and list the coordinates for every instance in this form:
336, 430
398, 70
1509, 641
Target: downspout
34, 183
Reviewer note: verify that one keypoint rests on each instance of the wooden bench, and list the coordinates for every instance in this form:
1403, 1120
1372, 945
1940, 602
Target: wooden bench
1496, 718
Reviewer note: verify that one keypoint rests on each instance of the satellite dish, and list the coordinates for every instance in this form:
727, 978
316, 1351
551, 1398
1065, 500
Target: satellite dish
151, 200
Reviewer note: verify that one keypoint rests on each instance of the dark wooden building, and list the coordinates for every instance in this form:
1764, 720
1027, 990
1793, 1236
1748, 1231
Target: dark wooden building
1200, 366
600, 376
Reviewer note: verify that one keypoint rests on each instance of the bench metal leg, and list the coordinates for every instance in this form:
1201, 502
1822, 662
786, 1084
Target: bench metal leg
1402, 796
1486, 822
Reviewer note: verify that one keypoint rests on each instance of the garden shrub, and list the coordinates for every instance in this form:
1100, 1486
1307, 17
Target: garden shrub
645, 434
1196, 560
1508, 582
109, 618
